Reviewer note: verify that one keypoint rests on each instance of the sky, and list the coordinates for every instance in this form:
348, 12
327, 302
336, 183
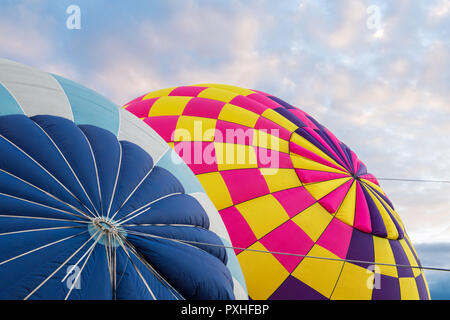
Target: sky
376, 73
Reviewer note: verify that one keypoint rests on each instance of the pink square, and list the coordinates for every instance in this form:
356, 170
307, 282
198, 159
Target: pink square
241, 234
268, 158
288, 238
202, 107
245, 184
233, 133
141, 108
294, 200
272, 128
269, 103
200, 156
163, 125
187, 91
248, 104
336, 238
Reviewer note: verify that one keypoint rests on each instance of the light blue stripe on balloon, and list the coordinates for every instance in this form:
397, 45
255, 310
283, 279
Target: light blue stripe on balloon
8, 105
172, 162
89, 107
233, 264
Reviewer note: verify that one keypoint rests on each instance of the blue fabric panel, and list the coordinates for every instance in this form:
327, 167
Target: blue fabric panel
13, 224
31, 139
23, 274
176, 209
188, 233
173, 163
94, 282
203, 277
132, 286
8, 104
158, 184
107, 152
11, 185
74, 146
135, 165
89, 107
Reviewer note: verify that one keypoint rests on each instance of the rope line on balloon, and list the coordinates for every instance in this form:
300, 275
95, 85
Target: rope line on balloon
190, 242
413, 180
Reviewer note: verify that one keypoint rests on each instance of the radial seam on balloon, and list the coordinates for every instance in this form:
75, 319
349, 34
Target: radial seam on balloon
99, 232
96, 172
41, 218
337, 280
144, 261
45, 192
115, 182
90, 250
121, 220
46, 171
39, 248
59, 268
164, 225
179, 241
40, 229
137, 271
39, 204
133, 191
71, 169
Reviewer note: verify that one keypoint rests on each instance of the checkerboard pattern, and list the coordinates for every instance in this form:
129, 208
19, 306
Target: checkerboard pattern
283, 183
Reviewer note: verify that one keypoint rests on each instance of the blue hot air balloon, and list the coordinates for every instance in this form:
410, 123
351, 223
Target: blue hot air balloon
94, 205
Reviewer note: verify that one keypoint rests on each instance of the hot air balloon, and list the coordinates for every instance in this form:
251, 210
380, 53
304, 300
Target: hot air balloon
91, 201
306, 219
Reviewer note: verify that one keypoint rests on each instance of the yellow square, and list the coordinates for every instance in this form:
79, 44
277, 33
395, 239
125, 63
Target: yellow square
217, 94
320, 189
411, 258
299, 162
238, 115
384, 254
263, 214
198, 129
159, 93
216, 189
279, 119
319, 274
234, 156
263, 139
241, 91
313, 220
408, 289
354, 283
168, 106
263, 273
280, 179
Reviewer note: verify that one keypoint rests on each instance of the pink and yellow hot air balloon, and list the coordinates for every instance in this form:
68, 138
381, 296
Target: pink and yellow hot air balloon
305, 217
